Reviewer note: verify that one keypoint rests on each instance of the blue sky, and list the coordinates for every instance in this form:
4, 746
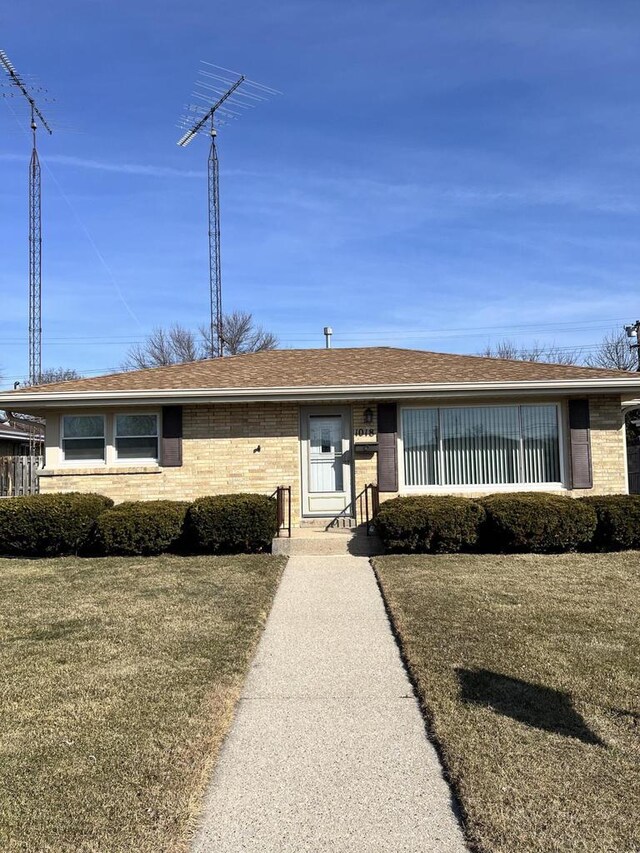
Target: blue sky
437, 175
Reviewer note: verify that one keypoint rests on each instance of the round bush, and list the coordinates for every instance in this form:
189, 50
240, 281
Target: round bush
140, 528
231, 524
436, 524
48, 525
618, 521
540, 523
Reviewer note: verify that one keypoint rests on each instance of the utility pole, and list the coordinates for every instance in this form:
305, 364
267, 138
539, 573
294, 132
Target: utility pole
633, 331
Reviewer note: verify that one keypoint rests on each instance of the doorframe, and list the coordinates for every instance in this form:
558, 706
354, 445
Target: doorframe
326, 410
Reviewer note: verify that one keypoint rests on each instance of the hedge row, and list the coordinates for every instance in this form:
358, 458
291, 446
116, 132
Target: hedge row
49, 525
75, 523
516, 522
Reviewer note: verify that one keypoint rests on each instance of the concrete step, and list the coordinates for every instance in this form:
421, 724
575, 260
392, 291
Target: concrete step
338, 523
318, 542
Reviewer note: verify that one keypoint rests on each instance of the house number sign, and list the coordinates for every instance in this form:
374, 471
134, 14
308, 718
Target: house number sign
365, 431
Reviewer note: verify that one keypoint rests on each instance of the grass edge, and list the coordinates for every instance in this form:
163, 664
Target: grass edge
199, 796
428, 720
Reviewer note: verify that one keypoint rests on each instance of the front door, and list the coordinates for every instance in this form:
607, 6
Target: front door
326, 464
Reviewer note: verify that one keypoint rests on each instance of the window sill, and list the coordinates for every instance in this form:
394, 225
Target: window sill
102, 470
483, 487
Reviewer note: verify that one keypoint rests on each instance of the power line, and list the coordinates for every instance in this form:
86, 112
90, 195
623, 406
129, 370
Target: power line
468, 331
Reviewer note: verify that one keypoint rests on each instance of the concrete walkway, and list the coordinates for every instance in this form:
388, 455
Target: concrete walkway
328, 750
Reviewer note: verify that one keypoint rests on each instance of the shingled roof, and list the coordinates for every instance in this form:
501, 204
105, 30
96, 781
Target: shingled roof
328, 368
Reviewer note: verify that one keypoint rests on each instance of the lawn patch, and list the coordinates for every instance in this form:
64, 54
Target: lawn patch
528, 669
120, 677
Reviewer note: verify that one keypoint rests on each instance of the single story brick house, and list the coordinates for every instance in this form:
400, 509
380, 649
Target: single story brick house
327, 422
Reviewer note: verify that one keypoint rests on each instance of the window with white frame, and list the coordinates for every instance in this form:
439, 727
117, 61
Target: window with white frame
481, 445
136, 437
83, 438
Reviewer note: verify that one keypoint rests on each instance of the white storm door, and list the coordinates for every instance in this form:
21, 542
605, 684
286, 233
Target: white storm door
327, 482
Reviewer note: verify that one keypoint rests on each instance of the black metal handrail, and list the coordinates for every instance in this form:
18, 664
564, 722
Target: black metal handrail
282, 495
367, 506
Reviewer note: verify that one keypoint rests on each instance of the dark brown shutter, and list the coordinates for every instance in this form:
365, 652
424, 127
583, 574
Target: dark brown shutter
171, 448
579, 427
387, 447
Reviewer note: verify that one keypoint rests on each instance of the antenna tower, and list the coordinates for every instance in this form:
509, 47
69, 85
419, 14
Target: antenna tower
225, 101
35, 229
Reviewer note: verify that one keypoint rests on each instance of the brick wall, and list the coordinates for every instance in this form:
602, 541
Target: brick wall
608, 452
365, 469
220, 454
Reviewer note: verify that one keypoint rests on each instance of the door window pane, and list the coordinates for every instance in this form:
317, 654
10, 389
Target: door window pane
325, 454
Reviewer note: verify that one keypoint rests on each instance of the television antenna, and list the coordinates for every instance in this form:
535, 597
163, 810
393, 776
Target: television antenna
226, 95
35, 224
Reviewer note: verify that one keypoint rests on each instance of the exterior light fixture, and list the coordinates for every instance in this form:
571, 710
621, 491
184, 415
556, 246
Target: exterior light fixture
367, 416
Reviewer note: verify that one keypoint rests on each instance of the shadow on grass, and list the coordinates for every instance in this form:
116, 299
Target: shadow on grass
532, 704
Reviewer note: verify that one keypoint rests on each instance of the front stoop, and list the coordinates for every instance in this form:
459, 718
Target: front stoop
314, 541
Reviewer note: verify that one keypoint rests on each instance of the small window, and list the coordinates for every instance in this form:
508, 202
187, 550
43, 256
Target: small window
136, 437
83, 438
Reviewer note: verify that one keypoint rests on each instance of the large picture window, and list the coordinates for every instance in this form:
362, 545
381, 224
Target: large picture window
136, 437
83, 438
481, 445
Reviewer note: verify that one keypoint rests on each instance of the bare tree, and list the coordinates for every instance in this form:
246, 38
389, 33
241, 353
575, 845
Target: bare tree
240, 335
613, 352
164, 346
178, 344
553, 354
53, 374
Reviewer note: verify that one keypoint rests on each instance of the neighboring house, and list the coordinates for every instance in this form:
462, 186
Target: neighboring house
14, 437
327, 422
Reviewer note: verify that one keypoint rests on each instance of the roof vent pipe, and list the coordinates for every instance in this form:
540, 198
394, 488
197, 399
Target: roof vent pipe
328, 331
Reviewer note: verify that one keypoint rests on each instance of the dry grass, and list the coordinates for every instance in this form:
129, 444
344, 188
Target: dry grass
528, 668
119, 679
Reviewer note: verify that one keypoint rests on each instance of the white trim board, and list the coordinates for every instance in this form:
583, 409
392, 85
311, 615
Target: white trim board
44, 399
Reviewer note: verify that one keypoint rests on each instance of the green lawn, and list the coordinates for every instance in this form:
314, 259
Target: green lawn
119, 679
528, 669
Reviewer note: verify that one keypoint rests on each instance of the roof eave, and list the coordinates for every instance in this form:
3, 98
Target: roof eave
53, 399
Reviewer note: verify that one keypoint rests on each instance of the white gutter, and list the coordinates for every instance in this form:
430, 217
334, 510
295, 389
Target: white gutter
51, 399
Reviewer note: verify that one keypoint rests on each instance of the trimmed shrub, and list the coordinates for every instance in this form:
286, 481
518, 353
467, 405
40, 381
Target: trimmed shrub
231, 524
48, 525
618, 521
140, 528
436, 524
540, 523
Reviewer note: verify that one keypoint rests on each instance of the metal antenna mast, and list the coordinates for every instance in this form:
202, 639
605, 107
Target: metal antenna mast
227, 107
35, 228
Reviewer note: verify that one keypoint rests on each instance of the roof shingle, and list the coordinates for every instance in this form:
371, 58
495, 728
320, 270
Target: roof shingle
310, 368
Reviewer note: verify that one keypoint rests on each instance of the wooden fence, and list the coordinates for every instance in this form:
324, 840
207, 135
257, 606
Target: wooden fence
18, 475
